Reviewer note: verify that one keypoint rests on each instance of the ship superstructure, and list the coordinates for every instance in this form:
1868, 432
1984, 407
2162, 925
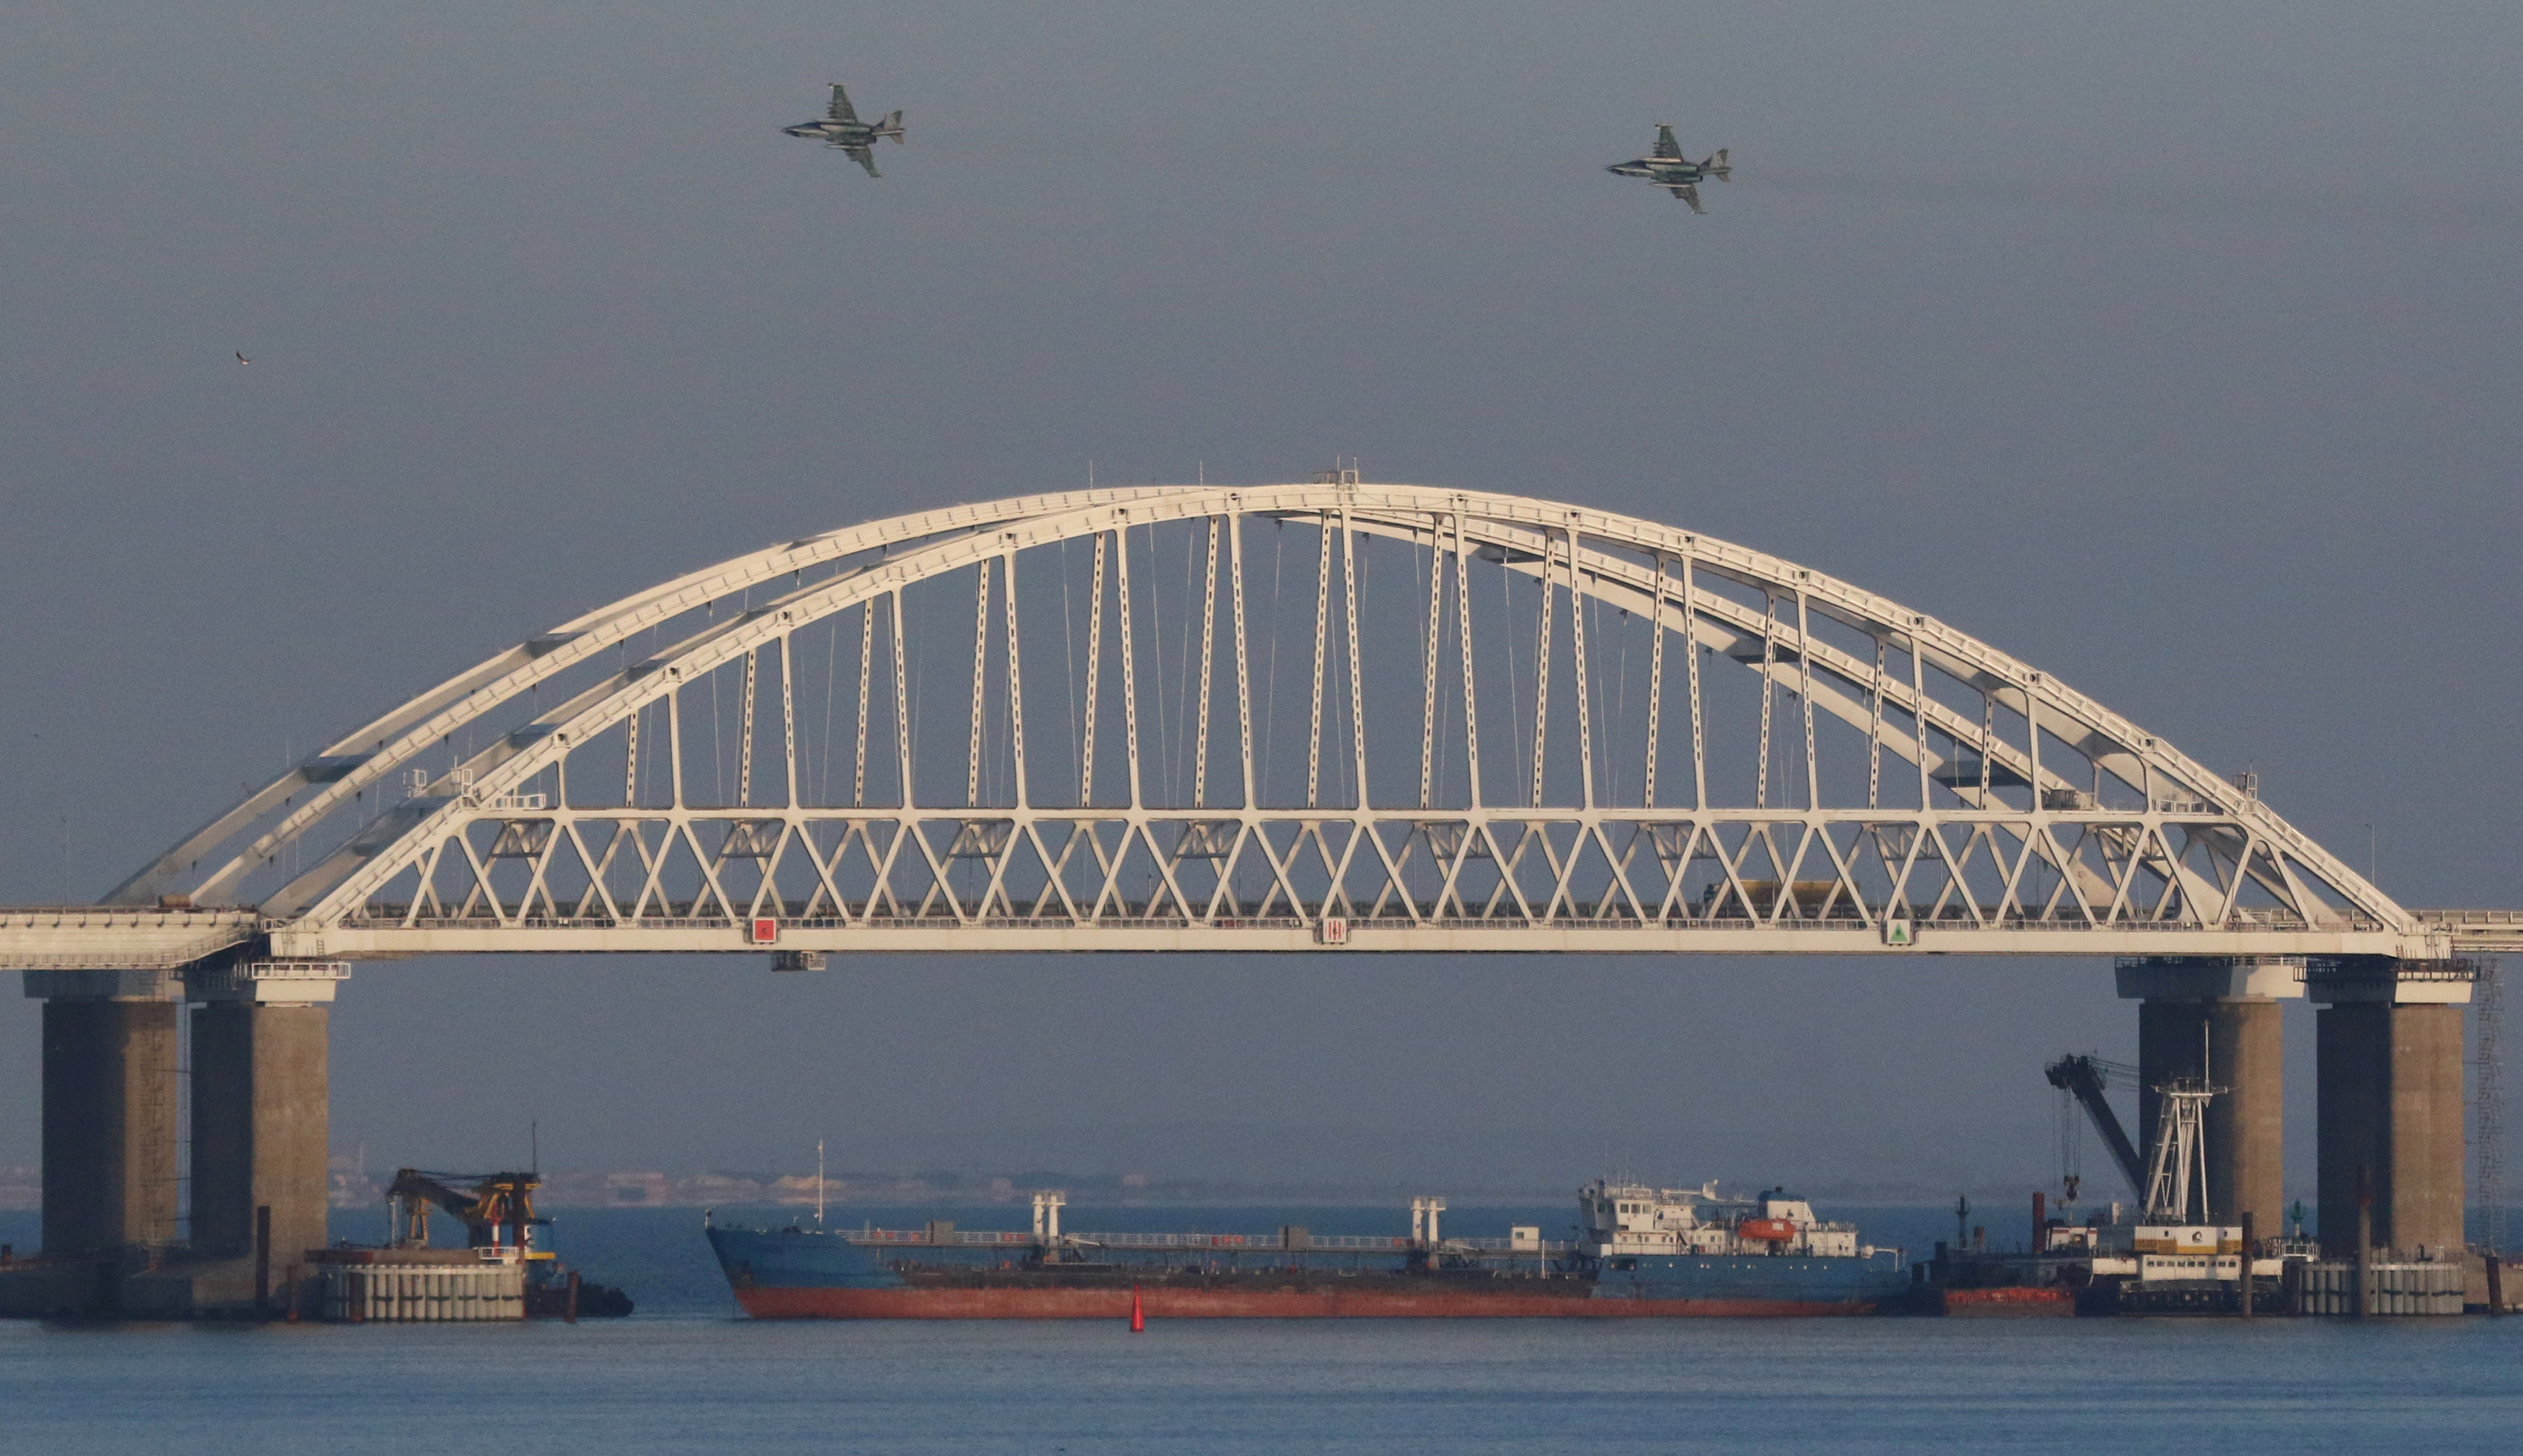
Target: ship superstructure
1629, 1218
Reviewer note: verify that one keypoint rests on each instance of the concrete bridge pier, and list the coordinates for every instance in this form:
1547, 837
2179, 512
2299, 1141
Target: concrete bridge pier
2390, 1097
2218, 1014
261, 1125
110, 1110
111, 1233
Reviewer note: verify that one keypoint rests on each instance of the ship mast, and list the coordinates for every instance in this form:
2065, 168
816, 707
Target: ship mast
2180, 1154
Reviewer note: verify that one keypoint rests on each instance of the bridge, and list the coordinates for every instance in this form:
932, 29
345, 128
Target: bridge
1334, 717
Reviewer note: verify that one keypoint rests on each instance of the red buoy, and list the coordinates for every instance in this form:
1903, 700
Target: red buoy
1138, 1313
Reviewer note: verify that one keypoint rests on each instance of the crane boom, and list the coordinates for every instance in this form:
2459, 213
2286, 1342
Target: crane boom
498, 1201
2082, 1077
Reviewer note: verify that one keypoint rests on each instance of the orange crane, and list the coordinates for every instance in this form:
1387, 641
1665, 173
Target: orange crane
497, 1213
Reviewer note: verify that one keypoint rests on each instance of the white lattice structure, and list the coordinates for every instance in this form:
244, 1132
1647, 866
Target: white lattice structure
1265, 718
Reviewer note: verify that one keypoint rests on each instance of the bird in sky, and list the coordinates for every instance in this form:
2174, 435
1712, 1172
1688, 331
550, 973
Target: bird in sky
241, 358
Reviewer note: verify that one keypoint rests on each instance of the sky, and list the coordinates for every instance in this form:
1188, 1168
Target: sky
2171, 349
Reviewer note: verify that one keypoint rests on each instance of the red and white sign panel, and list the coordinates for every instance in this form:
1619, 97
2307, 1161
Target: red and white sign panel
766, 930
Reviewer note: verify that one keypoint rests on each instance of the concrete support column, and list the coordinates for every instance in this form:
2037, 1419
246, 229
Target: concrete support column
261, 1127
2220, 1017
2390, 1100
110, 1110
2236, 1044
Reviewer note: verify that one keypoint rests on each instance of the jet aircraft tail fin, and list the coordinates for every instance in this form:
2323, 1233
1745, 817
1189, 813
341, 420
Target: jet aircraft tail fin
893, 126
1717, 167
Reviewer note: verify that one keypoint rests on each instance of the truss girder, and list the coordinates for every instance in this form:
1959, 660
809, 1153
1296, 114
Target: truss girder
1765, 868
2199, 856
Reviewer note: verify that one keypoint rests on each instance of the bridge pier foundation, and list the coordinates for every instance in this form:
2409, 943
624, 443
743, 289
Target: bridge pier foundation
2218, 1016
110, 1128
108, 1111
2389, 1098
262, 1126
261, 1130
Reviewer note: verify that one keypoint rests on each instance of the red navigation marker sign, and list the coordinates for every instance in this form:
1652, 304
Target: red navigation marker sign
766, 930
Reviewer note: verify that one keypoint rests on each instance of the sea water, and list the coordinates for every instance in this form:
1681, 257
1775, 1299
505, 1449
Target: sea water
686, 1373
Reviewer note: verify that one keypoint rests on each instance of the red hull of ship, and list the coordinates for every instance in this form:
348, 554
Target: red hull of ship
2013, 1301
1231, 1304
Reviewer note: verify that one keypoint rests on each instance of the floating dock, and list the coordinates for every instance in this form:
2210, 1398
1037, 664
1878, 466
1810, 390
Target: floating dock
367, 1286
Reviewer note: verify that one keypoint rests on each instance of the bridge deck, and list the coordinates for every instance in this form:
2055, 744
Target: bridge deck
2476, 932
73, 937
80, 937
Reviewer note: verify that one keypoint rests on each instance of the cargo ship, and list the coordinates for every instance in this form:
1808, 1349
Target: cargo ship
1637, 1251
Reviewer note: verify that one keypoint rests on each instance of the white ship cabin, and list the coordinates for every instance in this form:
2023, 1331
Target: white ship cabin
1628, 1218
2156, 1251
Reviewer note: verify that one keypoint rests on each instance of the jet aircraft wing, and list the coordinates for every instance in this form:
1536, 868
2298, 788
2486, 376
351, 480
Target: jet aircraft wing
1689, 193
841, 111
864, 156
1665, 145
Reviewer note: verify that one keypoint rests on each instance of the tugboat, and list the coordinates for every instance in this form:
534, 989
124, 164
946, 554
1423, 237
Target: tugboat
1767, 1255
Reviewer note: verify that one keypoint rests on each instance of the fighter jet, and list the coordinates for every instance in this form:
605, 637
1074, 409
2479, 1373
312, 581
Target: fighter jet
1667, 168
843, 128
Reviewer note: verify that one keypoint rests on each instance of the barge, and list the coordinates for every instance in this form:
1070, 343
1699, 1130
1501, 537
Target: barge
1638, 1251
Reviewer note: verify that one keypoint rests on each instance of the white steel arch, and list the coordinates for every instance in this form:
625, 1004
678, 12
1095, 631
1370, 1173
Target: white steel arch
1527, 742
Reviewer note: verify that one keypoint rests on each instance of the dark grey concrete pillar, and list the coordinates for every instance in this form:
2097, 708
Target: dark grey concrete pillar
2236, 1043
2390, 1101
261, 1127
2219, 1014
108, 1087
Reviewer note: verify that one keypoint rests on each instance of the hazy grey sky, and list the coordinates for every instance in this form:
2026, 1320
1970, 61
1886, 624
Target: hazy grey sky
2168, 346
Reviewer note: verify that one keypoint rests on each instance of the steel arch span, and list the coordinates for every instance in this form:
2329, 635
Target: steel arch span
1265, 718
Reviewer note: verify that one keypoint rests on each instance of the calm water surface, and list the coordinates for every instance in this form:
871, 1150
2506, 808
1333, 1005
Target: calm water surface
686, 1374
